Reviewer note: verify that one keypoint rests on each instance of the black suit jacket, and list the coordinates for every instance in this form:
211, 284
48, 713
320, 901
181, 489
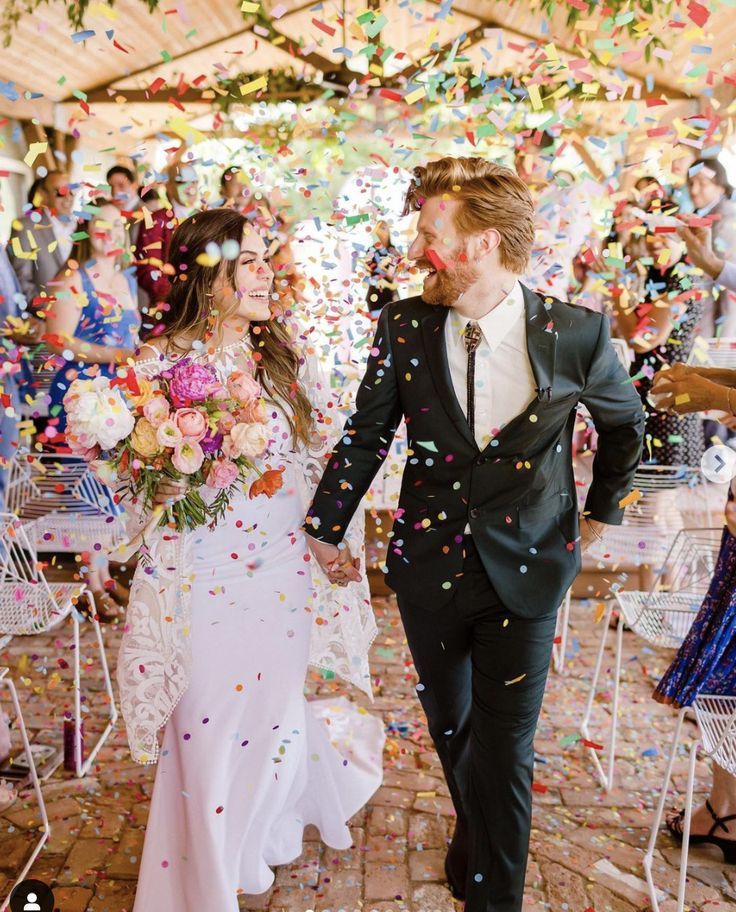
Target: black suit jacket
518, 494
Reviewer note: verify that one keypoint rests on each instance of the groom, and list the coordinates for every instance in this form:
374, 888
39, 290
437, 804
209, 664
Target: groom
486, 538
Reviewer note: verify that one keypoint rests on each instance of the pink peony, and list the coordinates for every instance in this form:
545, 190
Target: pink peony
188, 457
168, 434
242, 386
222, 474
79, 447
191, 382
249, 440
156, 410
191, 423
219, 394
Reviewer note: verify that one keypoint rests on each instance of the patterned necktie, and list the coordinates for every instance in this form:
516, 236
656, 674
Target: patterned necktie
471, 337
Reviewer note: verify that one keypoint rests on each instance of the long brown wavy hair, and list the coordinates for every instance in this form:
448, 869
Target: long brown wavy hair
189, 312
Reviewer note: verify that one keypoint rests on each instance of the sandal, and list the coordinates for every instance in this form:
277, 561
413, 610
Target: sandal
727, 846
119, 592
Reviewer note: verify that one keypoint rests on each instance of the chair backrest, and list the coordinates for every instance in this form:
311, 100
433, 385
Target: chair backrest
70, 508
716, 715
27, 602
690, 564
713, 352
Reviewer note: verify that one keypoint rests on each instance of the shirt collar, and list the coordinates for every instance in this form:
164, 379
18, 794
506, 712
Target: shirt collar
498, 323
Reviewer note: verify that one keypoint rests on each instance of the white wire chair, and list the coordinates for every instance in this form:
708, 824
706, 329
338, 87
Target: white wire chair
7, 682
30, 604
35, 403
713, 352
62, 504
669, 499
662, 616
716, 718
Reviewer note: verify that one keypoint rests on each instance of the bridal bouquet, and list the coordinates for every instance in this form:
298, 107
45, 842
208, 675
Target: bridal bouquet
182, 424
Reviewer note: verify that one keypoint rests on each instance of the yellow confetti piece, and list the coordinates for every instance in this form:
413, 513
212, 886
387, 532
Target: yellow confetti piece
254, 85
600, 610
630, 499
682, 399
414, 96
34, 150
535, 97
183, 128
247, 6
515, 680
426, 794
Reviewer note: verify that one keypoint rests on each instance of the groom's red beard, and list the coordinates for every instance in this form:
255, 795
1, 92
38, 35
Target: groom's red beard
445, 286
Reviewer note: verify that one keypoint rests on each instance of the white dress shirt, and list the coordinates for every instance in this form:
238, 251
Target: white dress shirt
504, 382
63, 231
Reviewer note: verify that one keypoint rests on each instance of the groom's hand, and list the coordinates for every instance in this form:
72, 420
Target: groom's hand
591, 531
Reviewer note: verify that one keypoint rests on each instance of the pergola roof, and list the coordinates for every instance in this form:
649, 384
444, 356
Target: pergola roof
138, 69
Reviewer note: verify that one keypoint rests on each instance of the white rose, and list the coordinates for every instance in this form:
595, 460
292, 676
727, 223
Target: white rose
249, 440
97, 412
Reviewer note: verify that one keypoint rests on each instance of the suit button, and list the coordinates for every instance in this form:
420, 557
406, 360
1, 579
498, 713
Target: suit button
474, 513
480, 460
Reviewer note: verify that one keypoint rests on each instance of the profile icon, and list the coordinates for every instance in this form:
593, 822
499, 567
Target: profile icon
32, 896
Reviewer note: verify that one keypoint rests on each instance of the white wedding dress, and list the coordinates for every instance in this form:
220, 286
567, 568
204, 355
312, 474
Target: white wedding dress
246, 761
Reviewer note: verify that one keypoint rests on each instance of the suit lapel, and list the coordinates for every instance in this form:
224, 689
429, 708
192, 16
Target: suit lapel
433, 333
541, 343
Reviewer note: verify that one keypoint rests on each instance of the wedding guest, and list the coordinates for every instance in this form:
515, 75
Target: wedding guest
41, 240
224, 619
124, 188
182, 190
12, 304
234, 189
657, 311
706, 661
92, 325
711, 192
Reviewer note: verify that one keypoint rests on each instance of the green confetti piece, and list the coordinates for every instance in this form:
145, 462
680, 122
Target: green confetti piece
166, 56
428, 445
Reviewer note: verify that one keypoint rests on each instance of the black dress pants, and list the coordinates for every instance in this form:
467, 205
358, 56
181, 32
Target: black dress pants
482, 673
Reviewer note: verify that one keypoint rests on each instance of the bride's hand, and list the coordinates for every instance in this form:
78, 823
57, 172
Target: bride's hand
168, 492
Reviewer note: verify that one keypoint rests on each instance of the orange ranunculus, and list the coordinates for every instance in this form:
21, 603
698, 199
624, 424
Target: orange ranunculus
268, 484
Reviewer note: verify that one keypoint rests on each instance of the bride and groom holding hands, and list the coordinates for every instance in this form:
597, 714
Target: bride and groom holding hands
487, 375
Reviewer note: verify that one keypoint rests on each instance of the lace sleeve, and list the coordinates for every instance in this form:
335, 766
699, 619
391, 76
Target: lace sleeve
345, 625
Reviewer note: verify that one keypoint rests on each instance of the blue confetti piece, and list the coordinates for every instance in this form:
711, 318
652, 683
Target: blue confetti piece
83, 36
650, 752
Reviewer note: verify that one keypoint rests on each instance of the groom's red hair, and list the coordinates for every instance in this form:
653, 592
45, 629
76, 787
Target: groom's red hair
492, 197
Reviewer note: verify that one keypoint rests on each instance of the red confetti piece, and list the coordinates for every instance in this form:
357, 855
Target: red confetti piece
434, 258
219, 810
391, 95
323, 27
539, 787
698, 13
156, 85
591, 744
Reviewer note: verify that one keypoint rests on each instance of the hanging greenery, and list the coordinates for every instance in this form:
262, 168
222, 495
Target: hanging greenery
614, 17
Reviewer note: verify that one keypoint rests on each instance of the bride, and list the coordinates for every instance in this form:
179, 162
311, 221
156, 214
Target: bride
223, 621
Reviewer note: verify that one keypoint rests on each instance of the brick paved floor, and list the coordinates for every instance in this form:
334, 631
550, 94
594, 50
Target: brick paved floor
586, 846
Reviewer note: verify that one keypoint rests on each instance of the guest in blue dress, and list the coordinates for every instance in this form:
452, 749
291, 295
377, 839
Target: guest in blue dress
706, 661
92, 326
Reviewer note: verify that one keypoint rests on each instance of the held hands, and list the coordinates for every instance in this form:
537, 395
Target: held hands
338, 563
591, 531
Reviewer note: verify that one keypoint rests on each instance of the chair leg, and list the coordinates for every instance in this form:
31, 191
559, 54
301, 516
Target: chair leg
659, 813
82, 768
7, 682
614, 704
563, 621
682, 887
601, 774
